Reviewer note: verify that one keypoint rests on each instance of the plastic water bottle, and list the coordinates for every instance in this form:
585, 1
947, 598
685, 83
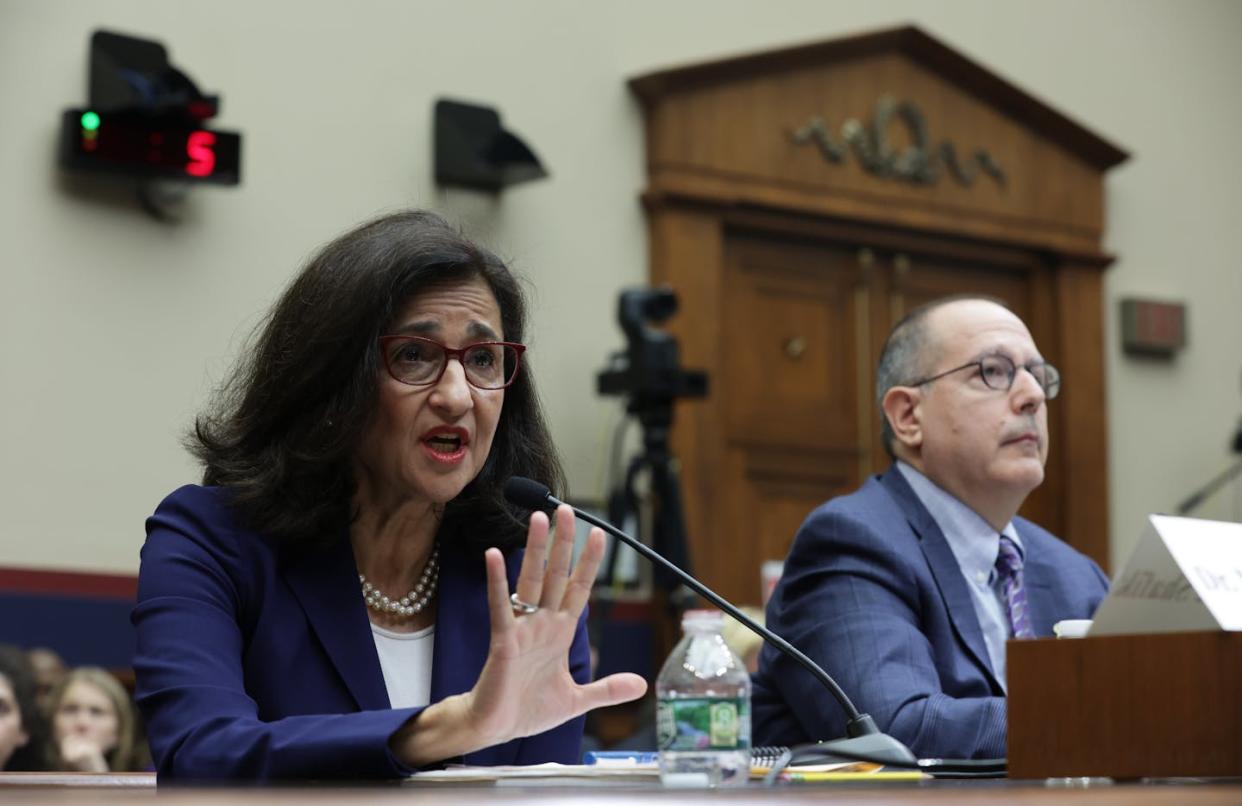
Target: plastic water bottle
703, 708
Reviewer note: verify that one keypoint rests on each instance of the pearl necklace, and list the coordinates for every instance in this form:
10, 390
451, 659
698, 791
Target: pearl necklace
413, 602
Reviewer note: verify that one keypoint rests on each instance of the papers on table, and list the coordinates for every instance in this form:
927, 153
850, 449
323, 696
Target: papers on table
625, 772
541, 774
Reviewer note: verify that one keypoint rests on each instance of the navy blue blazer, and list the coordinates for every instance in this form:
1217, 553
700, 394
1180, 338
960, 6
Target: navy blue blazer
872, 592
256, 663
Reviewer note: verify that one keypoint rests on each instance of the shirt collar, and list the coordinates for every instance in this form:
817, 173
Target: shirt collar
973, 541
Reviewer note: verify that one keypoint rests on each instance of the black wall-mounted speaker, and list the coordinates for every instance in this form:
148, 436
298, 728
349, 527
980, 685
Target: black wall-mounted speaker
473, 150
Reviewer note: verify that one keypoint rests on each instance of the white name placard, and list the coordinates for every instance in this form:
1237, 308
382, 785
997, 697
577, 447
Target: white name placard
1184, 575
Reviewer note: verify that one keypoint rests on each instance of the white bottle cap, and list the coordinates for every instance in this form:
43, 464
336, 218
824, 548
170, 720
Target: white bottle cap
1072, 628
702, 620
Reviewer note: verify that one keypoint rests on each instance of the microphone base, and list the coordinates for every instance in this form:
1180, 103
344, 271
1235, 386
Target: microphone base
877, 747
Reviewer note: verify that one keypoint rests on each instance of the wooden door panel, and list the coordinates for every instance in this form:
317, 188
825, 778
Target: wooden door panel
926, 279
771, 492
790, 338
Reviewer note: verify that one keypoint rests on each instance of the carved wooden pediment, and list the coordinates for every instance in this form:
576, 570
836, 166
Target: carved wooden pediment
890, 126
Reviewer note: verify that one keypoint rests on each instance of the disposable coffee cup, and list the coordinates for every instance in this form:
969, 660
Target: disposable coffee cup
1072, 628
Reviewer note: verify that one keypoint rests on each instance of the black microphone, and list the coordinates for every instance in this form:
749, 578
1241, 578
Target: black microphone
864, 741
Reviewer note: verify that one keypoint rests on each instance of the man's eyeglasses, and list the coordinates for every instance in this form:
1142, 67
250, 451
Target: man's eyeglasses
998, 372
418, 361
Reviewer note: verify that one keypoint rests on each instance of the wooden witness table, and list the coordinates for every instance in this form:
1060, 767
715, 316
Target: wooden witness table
1126, 706
73, 788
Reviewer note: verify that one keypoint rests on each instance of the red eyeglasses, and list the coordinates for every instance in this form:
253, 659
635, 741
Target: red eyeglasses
419, 361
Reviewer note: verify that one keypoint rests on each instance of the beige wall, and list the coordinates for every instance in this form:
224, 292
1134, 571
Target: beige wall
114, 328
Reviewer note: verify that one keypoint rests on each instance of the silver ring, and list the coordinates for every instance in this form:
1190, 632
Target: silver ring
521, 608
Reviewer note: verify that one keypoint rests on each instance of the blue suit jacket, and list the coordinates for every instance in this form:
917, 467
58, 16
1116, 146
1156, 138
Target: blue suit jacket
256, 663
872, 592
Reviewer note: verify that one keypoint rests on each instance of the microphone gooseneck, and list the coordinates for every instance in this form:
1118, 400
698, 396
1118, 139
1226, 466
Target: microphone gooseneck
530, 494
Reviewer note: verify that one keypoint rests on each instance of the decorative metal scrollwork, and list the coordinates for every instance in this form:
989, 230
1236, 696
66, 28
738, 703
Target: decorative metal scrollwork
919, 163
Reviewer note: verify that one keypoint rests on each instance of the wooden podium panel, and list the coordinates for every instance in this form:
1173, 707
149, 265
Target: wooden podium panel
1128, 706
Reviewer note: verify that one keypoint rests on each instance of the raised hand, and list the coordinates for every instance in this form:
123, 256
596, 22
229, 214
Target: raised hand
525, 686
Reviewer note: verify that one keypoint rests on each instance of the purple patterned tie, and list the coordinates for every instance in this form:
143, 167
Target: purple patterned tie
1009, 570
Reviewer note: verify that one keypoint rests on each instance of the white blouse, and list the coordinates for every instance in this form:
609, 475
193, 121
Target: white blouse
405, 658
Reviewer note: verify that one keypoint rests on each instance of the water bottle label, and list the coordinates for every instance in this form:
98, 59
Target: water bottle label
703, 724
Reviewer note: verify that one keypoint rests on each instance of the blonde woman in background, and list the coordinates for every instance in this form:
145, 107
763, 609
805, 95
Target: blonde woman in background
93, 726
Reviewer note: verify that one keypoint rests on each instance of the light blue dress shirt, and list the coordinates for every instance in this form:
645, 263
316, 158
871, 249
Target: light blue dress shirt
975, 546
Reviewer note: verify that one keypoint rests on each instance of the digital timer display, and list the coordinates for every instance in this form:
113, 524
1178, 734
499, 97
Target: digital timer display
149, 146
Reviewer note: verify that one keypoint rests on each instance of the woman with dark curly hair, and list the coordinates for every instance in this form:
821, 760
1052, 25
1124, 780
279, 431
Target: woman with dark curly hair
22, 727
335, 600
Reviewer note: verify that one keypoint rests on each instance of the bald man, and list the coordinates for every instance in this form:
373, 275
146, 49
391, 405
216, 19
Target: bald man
907, 589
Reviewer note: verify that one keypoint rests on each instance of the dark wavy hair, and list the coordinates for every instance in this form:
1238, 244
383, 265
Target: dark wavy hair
15, 668
283, 430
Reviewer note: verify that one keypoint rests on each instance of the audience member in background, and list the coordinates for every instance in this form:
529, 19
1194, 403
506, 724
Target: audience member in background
22, 728
93, 724
49, 669
334, 601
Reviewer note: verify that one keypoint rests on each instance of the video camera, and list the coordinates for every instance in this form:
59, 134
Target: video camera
649, 370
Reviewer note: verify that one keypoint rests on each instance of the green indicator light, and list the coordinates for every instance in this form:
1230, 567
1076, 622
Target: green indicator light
90, 121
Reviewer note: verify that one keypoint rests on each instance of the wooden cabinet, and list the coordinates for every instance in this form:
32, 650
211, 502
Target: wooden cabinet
792, 267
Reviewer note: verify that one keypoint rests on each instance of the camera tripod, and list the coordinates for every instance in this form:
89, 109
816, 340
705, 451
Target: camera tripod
668, 525
649, 374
